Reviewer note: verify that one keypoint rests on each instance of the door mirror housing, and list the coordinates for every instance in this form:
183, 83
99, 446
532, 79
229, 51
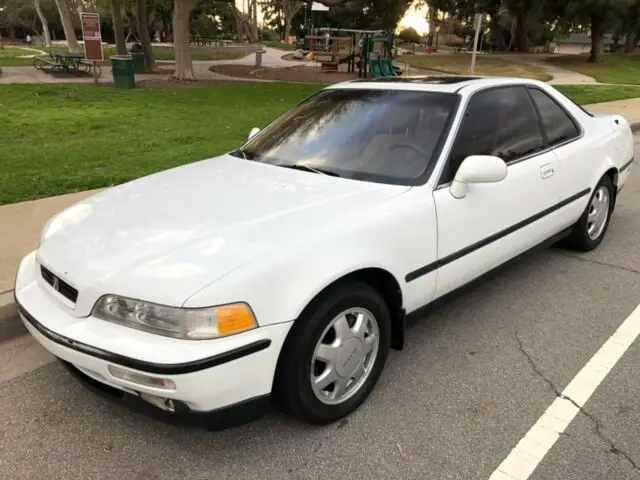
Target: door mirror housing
254, 131
477, 169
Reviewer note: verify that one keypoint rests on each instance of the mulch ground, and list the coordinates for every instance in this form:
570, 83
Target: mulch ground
286, 74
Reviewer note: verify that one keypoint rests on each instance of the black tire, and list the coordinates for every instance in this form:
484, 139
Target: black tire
292, 386
579, 238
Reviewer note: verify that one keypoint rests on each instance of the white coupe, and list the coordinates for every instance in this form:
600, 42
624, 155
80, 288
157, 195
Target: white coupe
284, 271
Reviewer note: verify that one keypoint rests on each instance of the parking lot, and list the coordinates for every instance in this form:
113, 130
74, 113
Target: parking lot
474, 377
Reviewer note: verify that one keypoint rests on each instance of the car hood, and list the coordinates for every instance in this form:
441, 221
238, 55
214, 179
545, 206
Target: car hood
163, 237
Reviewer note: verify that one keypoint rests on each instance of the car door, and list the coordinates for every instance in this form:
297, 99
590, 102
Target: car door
563, 133
496, 221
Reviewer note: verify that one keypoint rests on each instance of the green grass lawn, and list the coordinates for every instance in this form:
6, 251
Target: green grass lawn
278, 44
617, 67
57, 139
588, 94
10, 56
485, 65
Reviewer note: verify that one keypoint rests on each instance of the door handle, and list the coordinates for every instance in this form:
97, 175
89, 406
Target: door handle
546, 171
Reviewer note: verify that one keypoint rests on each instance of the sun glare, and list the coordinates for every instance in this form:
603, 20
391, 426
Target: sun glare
415, 17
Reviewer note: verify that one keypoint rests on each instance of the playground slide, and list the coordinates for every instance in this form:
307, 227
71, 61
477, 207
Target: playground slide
386, 67
374, 67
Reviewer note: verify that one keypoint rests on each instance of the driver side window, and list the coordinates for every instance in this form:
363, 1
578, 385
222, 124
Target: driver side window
502, 122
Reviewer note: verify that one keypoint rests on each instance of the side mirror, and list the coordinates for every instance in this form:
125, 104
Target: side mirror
254, 131
477, 169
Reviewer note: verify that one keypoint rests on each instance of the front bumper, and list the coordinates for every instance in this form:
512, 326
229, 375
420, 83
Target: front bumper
221, 418
218, 383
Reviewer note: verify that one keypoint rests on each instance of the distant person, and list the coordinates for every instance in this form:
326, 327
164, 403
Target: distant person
28, 39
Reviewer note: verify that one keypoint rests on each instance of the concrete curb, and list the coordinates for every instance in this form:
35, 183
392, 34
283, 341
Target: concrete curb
10, 324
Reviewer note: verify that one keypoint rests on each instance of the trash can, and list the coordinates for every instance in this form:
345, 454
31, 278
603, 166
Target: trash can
259, 53
137, 53
122, 71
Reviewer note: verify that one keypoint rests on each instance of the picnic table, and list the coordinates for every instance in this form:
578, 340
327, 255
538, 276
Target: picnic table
68, 62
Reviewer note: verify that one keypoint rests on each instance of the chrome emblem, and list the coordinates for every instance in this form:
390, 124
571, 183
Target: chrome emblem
56, 283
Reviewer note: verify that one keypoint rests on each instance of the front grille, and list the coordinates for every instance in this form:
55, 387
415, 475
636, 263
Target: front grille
62, 287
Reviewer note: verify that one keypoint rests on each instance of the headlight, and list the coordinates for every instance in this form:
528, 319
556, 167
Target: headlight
185, 323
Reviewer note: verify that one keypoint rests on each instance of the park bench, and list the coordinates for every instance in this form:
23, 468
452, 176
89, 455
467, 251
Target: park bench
47, 64
69, 62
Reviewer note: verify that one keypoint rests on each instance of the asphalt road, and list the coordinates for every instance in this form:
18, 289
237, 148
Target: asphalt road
475, 376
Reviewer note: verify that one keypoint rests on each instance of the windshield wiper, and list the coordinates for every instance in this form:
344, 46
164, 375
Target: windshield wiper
307, 168
241, 152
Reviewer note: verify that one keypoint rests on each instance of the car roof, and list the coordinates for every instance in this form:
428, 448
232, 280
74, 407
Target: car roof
432, 83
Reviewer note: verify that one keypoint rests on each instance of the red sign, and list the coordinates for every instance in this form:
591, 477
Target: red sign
92, 36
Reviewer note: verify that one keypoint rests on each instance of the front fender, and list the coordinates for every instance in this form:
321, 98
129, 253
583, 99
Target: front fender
397, 237
279, 289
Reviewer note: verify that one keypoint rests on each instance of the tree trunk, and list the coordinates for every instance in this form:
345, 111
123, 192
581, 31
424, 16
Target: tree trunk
432, 25
596, 40
67, 24
287, 29
239, 17
118, 27
630, 42
184, 65
522, 32
254, 21
291, 8
143, 32
44, 22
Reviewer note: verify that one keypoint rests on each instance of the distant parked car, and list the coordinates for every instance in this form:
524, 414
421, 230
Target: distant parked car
284, 271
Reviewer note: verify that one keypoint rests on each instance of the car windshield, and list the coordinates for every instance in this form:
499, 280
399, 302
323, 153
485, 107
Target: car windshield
387, 136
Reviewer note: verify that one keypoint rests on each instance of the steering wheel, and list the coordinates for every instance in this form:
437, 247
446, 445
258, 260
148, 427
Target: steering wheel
410, 146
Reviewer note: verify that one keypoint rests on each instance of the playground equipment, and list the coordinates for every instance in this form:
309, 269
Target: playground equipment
331, 52
376, 55
370, 51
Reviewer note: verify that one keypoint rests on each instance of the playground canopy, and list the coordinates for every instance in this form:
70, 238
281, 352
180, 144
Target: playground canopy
318, 7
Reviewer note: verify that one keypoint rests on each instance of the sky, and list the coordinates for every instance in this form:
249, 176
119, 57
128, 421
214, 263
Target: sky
416, 17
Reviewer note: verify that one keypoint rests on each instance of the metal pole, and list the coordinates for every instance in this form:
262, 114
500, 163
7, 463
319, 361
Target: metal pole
478, 23
1, 47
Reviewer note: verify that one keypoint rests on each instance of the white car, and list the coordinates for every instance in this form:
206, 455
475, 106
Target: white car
283, 272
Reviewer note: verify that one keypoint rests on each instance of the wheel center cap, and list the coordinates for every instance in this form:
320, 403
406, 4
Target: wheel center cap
349, 357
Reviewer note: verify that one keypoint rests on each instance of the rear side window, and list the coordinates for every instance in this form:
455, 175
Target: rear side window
557, 123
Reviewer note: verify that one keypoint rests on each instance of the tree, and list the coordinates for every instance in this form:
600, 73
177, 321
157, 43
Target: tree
629, 26
44, 22
67, 24
290, 8
369, 14
600, 15
142, 25
118, 27
181, 33
409, 35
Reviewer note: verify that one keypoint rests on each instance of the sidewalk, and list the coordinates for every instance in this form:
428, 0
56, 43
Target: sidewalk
561, 76
24, 221
272, 58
